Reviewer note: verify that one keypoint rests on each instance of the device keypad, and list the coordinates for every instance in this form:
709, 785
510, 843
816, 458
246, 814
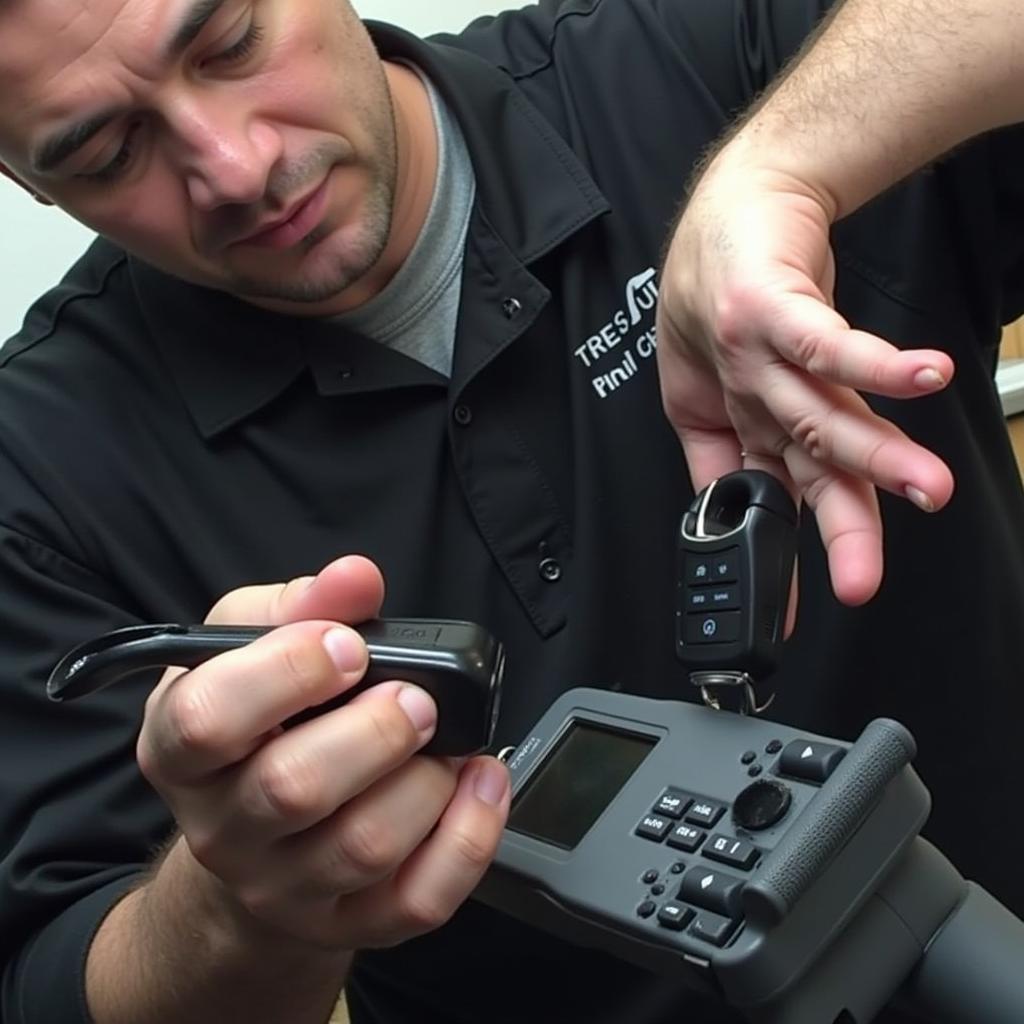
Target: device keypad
706, 904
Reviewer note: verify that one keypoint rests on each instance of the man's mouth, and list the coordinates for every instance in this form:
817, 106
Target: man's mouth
296, 224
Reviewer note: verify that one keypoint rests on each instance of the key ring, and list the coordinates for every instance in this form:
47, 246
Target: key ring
732, 681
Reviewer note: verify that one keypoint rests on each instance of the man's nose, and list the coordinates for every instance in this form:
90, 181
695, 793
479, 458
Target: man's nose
224, 155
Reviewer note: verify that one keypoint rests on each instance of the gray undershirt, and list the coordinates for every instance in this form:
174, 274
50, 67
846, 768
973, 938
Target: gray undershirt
416, 313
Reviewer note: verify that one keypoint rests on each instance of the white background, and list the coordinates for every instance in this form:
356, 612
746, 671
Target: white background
38, 243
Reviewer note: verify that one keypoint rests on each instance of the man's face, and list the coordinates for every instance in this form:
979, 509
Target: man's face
246, 145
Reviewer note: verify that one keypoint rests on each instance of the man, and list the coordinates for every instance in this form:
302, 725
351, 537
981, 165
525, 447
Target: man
430, 342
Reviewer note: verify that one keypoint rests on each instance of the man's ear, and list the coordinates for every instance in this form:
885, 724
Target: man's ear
8, 173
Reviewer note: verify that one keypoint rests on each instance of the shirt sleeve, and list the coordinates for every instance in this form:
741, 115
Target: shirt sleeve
78, 822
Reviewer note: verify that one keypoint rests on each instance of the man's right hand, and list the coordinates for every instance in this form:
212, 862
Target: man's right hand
331, 833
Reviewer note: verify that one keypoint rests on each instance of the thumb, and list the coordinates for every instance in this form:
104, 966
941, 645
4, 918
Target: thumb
350, 590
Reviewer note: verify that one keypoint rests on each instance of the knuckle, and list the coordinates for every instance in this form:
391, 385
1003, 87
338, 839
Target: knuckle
392, 731
734, 311
366, 844
203, 844
301, 666
874, 457
289, 787
809, 433
471, 851
424, 912
256, 900
816, 355
191, 721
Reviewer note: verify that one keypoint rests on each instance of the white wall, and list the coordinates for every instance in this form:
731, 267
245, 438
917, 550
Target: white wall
38, 243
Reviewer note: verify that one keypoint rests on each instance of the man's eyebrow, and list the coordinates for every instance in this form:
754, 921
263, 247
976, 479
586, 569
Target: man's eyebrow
191, 25
59, 146
55, 150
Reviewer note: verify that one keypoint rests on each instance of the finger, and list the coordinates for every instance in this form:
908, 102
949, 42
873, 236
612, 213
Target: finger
311, 770
350, 589
836, 426
373, 834
692, 398
445, 869
827, 347
848, 519
709, 454
218, 713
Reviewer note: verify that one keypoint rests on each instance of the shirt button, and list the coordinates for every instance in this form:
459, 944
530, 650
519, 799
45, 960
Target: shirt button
463, 415
549, 570
511, 308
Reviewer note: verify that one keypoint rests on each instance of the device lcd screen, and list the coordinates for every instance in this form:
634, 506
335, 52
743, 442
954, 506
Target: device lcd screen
576, 782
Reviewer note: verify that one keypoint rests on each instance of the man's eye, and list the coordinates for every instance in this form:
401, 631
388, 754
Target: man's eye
115, 167
240, 50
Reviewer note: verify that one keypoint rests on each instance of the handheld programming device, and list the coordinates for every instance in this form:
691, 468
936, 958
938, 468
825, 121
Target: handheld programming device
725, 850
779, 870
458, 663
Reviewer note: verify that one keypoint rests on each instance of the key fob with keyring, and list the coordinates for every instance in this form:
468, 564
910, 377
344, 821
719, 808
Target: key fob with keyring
736, 549
458, 663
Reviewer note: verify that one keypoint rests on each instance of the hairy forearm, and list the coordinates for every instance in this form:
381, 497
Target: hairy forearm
885, 87
173, 952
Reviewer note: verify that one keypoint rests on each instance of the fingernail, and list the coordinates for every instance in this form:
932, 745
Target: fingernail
919, 498
419, 706
345, 649
491, 782
929, 379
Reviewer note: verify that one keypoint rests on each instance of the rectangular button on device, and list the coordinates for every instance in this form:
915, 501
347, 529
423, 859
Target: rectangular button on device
705, 812
684, 837
730, 850
673, 803
713, 929
653, 826
675, 916
810, 760
713, 890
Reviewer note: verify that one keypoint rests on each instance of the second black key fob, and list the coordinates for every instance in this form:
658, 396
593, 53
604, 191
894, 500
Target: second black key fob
458, 663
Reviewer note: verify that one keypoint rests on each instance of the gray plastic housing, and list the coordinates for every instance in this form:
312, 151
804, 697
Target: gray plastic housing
813, 943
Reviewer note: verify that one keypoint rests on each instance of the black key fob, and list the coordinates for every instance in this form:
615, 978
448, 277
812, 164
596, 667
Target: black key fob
737, 544
458, 663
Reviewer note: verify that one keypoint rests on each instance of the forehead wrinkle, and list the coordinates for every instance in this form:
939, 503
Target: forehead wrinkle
64, 65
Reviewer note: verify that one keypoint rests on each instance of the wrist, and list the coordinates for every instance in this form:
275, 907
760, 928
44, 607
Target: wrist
753, 165
229, 931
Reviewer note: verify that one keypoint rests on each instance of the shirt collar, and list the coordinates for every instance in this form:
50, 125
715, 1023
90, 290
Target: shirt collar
229, 358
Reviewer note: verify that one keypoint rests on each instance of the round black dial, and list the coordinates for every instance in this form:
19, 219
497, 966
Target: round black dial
761, 804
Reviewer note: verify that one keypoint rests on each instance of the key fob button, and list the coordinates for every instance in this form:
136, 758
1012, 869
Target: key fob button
712, 628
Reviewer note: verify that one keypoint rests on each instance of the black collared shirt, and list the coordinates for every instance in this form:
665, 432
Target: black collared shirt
161, 445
